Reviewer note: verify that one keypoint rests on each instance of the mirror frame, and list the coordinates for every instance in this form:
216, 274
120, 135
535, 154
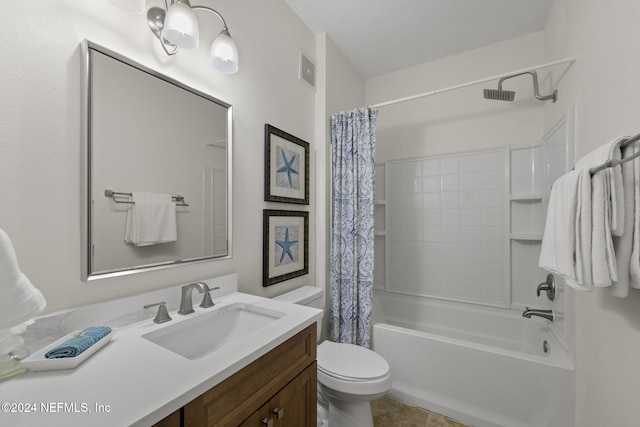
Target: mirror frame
86, 170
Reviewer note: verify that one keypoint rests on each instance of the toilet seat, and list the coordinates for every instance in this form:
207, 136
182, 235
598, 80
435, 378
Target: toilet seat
352, 369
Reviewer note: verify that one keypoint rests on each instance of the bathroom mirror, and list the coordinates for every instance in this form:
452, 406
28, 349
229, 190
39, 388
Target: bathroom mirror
149, 133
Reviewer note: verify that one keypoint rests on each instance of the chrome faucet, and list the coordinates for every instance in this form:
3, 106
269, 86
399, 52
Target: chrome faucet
186, 303
546, 314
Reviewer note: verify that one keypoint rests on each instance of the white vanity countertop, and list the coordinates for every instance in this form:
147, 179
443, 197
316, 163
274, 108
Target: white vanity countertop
132, 381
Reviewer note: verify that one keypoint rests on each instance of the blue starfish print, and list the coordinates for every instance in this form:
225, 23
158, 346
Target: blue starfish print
286, 246
288, 167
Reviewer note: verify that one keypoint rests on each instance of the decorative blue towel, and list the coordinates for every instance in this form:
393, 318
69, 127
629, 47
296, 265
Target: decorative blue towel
79, 343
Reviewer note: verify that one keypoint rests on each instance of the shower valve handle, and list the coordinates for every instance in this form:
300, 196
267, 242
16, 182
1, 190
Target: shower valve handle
549, 286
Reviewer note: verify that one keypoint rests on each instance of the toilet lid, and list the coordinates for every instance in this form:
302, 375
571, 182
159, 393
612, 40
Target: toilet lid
350, 362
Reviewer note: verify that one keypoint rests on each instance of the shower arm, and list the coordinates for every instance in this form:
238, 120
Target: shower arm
534, 75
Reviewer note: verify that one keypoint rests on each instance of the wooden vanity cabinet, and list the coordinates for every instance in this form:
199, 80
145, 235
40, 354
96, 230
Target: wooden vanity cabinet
283, 380
293, 406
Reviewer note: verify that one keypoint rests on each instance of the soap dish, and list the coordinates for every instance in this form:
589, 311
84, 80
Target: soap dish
38, 362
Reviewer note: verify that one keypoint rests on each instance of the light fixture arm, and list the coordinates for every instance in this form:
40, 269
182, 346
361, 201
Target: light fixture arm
215, 12
155, 20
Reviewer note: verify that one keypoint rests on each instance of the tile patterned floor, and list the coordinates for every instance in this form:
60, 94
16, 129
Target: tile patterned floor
389, 412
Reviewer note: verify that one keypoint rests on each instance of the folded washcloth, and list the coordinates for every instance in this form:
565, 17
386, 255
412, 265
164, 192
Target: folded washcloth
151, 219
79, 343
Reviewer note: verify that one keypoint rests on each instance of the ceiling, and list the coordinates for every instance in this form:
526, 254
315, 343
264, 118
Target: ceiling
381, 36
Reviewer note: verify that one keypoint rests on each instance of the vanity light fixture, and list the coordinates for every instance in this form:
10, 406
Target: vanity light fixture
176, 26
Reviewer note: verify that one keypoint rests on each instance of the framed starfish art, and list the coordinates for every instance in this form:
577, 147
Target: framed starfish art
286, 167
286, 245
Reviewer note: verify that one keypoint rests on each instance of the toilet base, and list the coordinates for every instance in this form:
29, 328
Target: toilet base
350, 414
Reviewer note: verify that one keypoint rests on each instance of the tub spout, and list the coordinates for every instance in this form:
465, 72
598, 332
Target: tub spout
546, 314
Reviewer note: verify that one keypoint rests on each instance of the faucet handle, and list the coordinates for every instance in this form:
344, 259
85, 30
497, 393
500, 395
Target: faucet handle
162, 315
549, 286
206, 299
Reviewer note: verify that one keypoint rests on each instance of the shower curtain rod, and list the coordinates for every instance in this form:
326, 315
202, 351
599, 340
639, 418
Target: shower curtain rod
569, 59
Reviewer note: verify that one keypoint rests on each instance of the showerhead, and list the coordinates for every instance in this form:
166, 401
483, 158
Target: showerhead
499, 94
508, 95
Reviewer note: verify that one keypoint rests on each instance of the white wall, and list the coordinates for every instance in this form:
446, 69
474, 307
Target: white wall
40, 132
604, 86
462, 119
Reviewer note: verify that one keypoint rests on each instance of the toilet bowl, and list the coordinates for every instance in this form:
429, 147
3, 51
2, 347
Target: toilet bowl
349, 376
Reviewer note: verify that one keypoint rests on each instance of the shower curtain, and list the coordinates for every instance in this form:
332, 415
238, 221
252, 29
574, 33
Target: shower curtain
353, 138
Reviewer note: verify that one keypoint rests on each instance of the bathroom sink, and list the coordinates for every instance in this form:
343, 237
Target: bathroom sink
207, 332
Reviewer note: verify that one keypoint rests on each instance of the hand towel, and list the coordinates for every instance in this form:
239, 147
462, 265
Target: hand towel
623, 245
612, 179
151, 219
566, 249
583, 227
79, 343
634, 266
603, 257
20, 301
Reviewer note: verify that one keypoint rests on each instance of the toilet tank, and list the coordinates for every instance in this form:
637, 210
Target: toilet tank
305, 295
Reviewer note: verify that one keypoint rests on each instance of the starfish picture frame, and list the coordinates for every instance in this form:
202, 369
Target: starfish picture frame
285, 245
286, 167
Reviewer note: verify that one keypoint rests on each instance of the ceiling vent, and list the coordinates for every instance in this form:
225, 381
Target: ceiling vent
307, 70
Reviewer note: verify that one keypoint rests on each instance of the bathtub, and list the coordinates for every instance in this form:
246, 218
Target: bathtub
483, 367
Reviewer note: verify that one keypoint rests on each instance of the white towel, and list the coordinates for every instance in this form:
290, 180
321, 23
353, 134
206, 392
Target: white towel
612, 179
623, 245
151, 219
634, 266
603, 257
583, 231
566, 250
20, 301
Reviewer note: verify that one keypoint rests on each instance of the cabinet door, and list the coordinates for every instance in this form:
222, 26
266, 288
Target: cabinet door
293, 406
173, 420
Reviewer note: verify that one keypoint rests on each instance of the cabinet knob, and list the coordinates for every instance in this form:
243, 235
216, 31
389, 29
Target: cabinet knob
279, 413
268, 422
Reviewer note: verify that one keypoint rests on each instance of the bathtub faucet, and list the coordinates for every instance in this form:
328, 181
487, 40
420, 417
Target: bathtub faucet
547, 314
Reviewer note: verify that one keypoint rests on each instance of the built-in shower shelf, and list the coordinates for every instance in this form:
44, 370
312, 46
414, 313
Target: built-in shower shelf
525, 236
526, 197
380, 202
380, 233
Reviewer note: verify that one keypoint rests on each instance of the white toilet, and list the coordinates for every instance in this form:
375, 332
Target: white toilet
349, 376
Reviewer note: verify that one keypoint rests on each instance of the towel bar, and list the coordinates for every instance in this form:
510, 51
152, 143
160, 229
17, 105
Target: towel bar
613, 163
113, 194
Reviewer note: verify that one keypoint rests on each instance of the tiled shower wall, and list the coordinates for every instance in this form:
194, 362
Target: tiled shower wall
446, 219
